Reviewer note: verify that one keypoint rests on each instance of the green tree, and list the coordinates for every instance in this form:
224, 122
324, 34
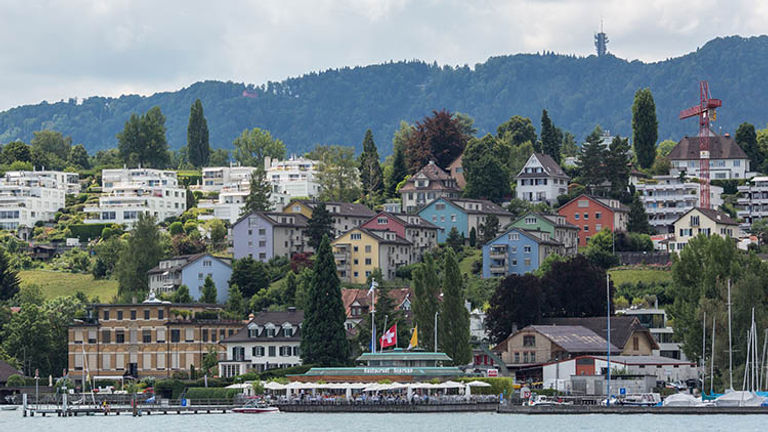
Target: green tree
290, 289
259, 193
592, 158
53, 144
550, 139
209, 293
78, 157
746, 138
569, 147
337, 173
484, 169
16, 151
323, 337
616, 162
250, 276
371, 177
489, 229
191, 201
219, 157
665, 147
453, 325
645, 127
9, 278
426, 292
142, 140
28, 336
176, 228
319, 225
473, 237
252, 146
235, 301
454, 240
218, 234
398, 173
141, 252
198, 148
518, 130
638, 218
181, 295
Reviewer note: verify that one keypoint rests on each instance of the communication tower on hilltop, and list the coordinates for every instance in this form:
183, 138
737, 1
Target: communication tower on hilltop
601, 42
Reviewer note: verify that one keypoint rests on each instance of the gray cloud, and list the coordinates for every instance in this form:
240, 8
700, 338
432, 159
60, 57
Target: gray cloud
54, 50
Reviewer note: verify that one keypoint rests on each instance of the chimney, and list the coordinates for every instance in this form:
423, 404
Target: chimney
251, 316
727, 135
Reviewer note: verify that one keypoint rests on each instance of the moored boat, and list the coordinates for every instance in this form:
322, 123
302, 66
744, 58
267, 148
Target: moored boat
256, 407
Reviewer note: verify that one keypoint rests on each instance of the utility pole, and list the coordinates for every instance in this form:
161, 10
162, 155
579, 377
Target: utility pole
730, 337
608, 319
436, 314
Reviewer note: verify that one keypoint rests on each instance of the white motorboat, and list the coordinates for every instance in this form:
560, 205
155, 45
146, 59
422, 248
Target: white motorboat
682, 400
739, 399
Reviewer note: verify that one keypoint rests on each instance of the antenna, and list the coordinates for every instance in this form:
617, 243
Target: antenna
601, 41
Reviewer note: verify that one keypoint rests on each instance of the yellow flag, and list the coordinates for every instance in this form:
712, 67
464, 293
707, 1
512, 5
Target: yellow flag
414, 338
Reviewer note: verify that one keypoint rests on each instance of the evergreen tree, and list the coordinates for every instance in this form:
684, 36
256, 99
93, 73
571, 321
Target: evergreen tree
235, 301
141, 252
319, 225
290, 287
550, 139
569, 147
489, 229
209, 293
250, 276
746, 138
453, 324
616, 161
371, 177
398, 173
426, 292
259, 193
473, 237
9, 278
142, 141
181, 295
645, 127
592, 158
191, 201
78, 157
484, 170
198, 148
454, 240
323, 337
638, 219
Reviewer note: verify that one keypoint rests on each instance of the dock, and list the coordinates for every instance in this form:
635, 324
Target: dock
597, 409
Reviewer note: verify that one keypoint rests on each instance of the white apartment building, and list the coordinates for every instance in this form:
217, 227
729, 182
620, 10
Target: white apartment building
666, 198
128, 192
294, 177
69, 182
541, 180
726, 159
753, 203
27, 199
229, 205
217, 178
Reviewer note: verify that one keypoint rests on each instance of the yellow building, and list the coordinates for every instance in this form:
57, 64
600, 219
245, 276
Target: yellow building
345, 215
147, 339
702, 221
359, 251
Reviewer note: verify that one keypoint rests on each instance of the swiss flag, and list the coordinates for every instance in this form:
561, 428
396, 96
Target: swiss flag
389, 338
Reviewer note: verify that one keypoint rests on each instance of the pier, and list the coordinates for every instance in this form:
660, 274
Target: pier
619, 409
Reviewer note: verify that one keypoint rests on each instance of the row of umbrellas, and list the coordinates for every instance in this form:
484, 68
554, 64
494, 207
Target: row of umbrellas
366, 387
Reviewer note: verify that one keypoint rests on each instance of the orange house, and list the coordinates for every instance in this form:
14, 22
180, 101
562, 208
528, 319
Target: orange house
593, 214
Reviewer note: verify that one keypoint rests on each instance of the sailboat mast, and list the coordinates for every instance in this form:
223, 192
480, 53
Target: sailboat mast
712, 361
704, 350
730, 337
762, 369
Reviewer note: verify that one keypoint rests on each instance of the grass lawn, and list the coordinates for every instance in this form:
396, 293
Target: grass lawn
465, 265
57, 284
632, 275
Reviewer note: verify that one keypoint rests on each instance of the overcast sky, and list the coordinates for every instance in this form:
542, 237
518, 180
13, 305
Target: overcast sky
53, 50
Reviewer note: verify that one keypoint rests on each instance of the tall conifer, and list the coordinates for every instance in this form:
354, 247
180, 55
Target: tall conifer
645, 127
453, 325
197, 136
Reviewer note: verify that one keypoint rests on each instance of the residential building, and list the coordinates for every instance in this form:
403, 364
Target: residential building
28, 199
357, 304
191, 270
69, 182
265, 235
360, 251
726, 159
456, 170
150, 339
628, 334
345, 215
666, 198
753, 203
295, 177
541, 180
128, 192
592, 214
518, 251
270, 340
428, 184
421, 233
216, 178
702, 221
463, 214
655, 320
558, 228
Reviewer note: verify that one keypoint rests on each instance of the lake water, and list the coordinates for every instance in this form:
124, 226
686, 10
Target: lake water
464, 422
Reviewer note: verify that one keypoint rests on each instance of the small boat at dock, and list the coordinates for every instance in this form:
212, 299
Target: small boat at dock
256, 407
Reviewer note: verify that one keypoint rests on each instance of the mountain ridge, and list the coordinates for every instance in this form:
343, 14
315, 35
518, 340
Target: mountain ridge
336, 106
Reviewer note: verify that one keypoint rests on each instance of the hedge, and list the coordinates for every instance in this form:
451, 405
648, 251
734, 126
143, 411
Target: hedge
504, 385
88, 231
218, 393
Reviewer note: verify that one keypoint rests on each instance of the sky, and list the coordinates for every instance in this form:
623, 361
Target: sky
54, 50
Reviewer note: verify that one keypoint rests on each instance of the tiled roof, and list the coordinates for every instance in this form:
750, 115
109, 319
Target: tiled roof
551, 168
720, 147
574, 339
605, 202
486, 207
7, 370
437, 179
714, 215
552, 219
380, 239
272, 219
350, 295
622, 327
188, 259
402, 218
278, 318
345, 208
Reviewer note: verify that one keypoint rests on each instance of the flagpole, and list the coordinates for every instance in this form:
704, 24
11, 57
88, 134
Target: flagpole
385, 324
372, 292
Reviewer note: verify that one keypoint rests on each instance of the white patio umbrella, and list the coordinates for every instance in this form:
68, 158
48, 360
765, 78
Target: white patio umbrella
274, 385
478, 384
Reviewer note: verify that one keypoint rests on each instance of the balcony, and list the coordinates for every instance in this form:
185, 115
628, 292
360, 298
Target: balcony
499, 253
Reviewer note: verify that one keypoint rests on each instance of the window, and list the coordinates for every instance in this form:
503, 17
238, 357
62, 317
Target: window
106, 336
262, 231
586, 216
514, 236
213, 335
382, 221
586, 227
525, 357
119, 315
527, 262
161, 335
146, 314
367, 261
583, 203
526, 249
367, 248
146, 336
737, 163
133, 315
694, 221
576, 216
272, 351
222, 334
597, 215
257, 351
106, 315
635, 343
200, 276
517, 357
175, 335
530, 221
355, 236
205, 335
533, 356
119, 336
598, 227
529, 341
160, 314
440, 206
453, 218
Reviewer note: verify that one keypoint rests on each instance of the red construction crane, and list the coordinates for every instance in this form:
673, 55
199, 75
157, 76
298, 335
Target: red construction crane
704, 111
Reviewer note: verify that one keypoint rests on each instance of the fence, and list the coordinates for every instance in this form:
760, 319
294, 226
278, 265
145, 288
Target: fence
647, 258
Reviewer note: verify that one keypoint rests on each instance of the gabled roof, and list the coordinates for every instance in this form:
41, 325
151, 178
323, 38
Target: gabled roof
714, 215
351, 295
605, 202
622, 327
720, 147
272, 219
528, 234
398, 240
188, 259
345, 208
574, 339
402, 219
436, 176
550, 167
278, 318
7, 370
552, 219
486, 207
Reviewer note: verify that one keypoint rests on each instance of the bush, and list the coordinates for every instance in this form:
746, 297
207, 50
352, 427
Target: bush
219, 393
87, 232
281, 373
504, 385
15, 380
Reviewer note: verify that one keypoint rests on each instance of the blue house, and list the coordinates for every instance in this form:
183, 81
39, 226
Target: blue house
518, 251
191, 270
463, 214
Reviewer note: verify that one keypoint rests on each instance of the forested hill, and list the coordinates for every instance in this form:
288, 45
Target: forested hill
337, 106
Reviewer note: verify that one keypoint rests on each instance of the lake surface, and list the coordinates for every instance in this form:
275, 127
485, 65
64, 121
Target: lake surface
310, 422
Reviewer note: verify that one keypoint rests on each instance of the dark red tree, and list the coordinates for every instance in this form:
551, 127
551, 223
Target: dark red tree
438, 137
